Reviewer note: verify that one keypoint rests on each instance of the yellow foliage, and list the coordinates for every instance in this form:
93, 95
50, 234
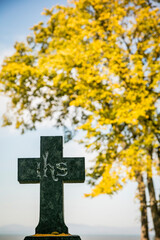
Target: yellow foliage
95, 64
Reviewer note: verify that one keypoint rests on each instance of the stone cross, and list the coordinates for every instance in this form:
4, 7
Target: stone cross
51, 170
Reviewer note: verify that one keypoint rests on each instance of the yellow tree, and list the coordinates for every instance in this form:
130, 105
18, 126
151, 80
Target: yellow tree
96, 63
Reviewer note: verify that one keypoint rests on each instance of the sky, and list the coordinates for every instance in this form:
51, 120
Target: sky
19, 203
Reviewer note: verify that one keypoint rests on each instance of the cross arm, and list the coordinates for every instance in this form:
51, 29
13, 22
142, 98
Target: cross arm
29, 170
75, 169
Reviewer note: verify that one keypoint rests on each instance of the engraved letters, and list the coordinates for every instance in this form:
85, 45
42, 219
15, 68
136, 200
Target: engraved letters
60, 169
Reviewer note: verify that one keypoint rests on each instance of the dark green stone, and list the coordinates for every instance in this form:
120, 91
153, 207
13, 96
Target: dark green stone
51, 170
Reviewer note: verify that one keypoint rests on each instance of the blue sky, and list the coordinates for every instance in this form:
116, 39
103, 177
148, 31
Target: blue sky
19, 204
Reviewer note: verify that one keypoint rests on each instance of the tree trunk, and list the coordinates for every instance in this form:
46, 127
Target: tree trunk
143, 207
154, 208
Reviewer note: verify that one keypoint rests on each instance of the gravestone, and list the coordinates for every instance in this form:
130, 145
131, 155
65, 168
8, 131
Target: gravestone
51, 170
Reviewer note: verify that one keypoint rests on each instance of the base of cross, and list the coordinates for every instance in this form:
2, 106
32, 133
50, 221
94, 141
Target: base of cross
50, 237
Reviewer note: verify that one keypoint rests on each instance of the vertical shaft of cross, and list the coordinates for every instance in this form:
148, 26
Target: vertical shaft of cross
51, 208
51, 188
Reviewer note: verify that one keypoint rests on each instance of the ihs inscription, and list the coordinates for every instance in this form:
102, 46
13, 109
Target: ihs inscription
60, 169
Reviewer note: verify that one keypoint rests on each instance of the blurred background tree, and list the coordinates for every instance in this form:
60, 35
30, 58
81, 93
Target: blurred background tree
95, 65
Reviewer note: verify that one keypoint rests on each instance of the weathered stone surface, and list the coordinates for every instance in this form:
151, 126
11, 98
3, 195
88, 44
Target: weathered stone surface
51, 170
